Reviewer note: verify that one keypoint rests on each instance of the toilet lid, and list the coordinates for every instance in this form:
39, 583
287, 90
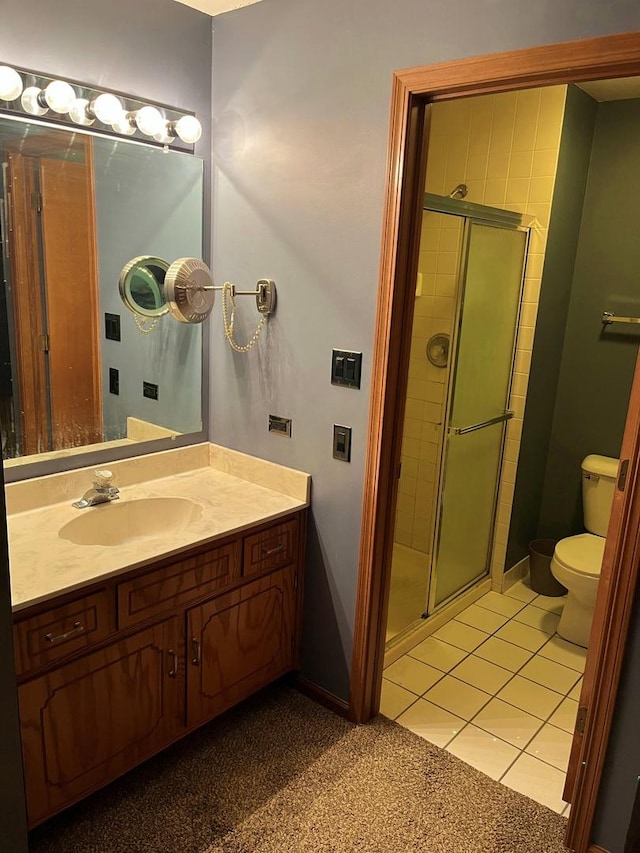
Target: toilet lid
582, 553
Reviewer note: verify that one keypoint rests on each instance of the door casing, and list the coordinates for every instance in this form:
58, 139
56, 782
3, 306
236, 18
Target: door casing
413, 89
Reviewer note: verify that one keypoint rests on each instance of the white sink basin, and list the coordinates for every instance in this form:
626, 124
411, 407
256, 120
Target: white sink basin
117, 523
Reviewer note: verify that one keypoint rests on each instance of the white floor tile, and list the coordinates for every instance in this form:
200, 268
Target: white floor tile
543, 620
551, 745
530, 697
432, 723
522, 635
537, 780
503, 654
549, 674
565, 717
550, 603
483, 751
501, 604
567, 654
394, 699
459, 698
481, 618
521, 591
507, 722
412, 674
482, 674
460, 635
436, 653
576, 691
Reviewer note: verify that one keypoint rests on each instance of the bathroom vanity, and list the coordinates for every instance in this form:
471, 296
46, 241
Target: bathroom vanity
124, 647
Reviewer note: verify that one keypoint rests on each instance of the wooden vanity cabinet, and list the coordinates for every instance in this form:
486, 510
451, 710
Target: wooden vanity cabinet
239, 642
161, 652
93, 719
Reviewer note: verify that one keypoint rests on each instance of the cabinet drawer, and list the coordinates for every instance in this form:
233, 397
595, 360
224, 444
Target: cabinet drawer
177, 584
52, 635
271, 548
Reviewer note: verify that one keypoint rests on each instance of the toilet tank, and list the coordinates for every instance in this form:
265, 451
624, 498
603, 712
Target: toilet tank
598, 484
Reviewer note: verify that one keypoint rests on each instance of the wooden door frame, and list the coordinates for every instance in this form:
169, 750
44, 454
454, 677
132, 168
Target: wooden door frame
413, 89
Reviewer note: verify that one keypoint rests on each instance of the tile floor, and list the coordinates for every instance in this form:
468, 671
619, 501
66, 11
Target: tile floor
497, 687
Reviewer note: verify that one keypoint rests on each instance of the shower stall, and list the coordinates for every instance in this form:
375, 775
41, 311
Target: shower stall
468, 298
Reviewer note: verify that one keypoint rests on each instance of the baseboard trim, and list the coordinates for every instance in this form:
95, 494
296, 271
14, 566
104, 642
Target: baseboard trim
595, 848
515, 574
322, 696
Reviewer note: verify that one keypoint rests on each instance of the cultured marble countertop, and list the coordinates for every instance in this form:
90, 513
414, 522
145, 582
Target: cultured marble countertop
234, 491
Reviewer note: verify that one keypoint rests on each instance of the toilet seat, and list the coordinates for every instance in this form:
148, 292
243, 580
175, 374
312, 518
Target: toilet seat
581, 554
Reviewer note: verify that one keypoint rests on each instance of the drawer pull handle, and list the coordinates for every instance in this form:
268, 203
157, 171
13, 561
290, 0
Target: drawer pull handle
173, 671
195, 648
269, 552
77, 629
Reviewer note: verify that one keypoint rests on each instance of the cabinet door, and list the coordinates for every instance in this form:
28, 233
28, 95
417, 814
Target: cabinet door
88, 722
239, 642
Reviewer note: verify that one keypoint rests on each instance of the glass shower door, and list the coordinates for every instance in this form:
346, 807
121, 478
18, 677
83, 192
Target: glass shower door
477, 413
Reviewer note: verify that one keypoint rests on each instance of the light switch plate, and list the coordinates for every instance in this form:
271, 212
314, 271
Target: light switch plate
342, 443
346, 368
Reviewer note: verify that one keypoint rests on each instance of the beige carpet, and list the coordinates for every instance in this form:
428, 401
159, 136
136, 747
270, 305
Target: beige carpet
283, 775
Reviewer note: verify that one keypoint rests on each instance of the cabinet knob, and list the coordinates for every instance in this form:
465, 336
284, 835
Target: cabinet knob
195, 651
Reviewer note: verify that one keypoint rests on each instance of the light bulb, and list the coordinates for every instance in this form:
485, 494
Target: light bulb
30, 101
123, 124
59, 96
149, 121
165, 134
10, 83
79, 112
188, 129
106, 108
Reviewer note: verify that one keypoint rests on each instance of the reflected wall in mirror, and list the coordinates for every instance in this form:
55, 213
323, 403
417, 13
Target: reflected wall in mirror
74, 209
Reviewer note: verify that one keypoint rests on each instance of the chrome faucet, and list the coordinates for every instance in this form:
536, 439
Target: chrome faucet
102, 491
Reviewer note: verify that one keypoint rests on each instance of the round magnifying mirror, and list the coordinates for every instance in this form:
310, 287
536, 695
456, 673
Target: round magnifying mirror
141, 285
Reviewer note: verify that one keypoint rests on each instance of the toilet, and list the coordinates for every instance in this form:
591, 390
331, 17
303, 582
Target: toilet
577, 560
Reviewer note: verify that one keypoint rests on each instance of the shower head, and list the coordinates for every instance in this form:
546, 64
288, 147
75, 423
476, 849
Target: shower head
460, 191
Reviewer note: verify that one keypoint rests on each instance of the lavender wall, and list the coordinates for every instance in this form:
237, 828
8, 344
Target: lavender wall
301, 96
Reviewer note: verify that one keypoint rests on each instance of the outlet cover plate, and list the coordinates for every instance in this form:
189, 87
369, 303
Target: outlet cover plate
150, 390
280, 426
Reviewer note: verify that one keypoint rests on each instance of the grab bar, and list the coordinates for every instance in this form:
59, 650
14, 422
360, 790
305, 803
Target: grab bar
497, 420
608, 317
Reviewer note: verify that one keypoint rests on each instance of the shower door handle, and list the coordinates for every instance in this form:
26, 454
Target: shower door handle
497, 420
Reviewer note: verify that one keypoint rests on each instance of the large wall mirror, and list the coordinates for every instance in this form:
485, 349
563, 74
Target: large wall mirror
76, 369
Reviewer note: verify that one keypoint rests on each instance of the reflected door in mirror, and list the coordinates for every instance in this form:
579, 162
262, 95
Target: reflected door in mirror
53, 260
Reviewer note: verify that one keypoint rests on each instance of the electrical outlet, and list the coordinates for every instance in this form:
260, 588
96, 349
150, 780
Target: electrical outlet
150, 390
114, 381
280, 426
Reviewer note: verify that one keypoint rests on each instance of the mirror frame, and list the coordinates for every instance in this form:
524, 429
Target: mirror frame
30, 467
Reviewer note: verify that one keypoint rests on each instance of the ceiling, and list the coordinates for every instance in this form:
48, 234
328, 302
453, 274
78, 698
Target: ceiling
216, 7
619, 89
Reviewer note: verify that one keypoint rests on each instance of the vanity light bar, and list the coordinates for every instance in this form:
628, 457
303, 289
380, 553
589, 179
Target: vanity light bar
29, 93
